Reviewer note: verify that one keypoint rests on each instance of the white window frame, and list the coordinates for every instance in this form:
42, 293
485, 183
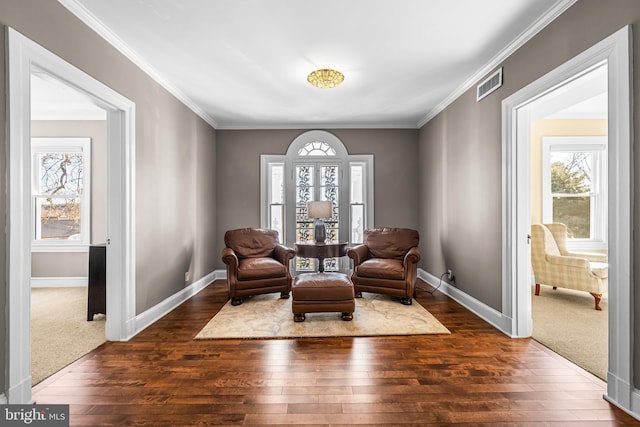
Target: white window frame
342, 157
366, 161
267, 204
62, 145
598, 146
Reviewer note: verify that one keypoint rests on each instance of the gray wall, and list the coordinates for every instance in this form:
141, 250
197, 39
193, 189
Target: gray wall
179, 170
238, 174
59, 264
175, 157
460, 156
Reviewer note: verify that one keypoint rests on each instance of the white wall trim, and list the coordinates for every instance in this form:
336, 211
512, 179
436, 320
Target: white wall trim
402, 124
516, 264
53, 248
551, 14
480, 309
82, 13
623, 387
153, 314
59, 282
23, 57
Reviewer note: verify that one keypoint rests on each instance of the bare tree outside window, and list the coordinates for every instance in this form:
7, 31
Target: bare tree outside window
60, 193
61, 179
571, 187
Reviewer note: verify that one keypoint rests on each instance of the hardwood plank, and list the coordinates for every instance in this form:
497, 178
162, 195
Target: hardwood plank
475, 376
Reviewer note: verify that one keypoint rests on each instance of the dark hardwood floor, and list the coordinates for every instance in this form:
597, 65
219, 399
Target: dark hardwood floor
475, 376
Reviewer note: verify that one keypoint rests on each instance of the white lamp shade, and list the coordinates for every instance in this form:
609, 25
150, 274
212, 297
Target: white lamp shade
319, 209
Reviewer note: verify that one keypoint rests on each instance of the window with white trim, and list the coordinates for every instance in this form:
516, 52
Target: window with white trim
60, 194
317, 167
574, 171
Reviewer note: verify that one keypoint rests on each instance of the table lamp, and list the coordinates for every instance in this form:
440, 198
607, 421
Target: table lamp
320, 210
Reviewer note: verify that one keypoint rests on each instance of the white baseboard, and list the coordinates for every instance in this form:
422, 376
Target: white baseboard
623, 395
480, 309
19, 393
148, 317
59, 282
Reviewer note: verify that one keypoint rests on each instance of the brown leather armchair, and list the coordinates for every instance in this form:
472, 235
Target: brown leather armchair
386, 262
256, 263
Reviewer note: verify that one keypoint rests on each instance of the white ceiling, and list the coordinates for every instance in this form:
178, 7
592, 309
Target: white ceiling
51, 99
243, 63
582, 97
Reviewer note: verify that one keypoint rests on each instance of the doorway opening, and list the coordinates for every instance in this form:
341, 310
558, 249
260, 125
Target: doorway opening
69, 207
568, 143
516, 260
24, 57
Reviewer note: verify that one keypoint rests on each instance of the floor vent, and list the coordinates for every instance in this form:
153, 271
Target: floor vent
491, 83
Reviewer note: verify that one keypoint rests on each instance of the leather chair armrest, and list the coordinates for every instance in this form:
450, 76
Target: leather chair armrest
359, 254
412, 257
230, 258
284, 254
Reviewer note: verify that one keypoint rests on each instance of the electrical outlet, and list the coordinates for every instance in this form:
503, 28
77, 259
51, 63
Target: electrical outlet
186, 276
450, 274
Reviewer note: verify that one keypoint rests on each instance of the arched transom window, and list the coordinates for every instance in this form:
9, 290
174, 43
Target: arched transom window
316, 148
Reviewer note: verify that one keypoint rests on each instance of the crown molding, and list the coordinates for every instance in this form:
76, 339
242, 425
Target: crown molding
315, 125
93, 23
548, 17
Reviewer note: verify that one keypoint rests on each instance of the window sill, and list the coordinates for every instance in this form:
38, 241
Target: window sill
59, 248
586, 246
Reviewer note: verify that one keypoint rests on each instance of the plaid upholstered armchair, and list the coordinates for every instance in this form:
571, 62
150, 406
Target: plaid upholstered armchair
553, 265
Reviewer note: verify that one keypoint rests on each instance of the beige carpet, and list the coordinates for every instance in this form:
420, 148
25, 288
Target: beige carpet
566, 322
60, 333
268, 316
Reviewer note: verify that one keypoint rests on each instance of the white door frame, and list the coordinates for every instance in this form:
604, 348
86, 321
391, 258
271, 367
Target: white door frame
516, 274
23, 56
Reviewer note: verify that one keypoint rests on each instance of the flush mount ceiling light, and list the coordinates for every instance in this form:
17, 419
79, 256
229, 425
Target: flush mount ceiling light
325, 78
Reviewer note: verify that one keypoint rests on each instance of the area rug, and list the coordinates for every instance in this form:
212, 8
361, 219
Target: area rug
268, 316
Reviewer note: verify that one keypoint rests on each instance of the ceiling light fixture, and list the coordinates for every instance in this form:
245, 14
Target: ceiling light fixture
325, 78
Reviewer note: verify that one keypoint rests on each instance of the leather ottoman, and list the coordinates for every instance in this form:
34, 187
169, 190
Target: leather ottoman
322, 292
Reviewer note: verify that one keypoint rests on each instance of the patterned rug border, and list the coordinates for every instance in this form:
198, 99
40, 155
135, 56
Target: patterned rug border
269, 317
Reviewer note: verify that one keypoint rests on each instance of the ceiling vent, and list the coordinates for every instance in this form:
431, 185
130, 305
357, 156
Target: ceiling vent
491, 83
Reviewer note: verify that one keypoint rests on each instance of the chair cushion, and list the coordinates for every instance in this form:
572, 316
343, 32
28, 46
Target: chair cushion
260, 268
381, 269
390, 242
251, 242
600, 269
322, 287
